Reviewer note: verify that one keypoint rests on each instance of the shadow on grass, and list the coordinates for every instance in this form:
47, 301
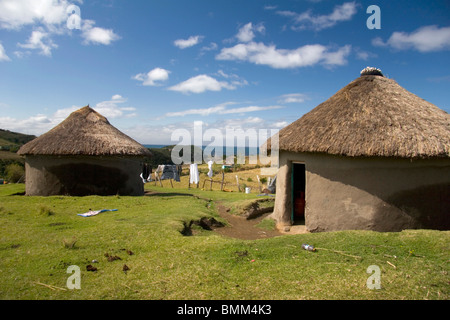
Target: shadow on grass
166, 194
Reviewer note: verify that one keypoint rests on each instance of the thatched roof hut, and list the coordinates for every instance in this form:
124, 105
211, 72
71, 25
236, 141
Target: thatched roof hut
371, 116
84, 154
85, 132
372, 156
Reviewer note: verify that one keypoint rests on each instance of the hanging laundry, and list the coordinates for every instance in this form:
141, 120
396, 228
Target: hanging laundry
146, 174
160, 168
210, 172
194, 175
272, 185
146, 171
179, 171
170, 172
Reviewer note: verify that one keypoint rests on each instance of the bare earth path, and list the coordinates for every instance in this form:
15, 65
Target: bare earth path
241, 228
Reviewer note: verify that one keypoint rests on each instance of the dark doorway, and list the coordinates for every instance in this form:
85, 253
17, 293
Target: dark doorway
298, 193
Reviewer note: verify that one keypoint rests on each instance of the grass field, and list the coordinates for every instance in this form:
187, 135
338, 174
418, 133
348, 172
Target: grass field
40, 237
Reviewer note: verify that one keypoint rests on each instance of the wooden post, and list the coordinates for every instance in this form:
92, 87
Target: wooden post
223, 177
171, 183
210, 188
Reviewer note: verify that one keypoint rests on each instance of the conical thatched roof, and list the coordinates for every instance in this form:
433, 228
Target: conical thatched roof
84, 132
371, 116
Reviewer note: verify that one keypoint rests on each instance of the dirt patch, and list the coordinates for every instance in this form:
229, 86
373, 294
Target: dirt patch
257, 208
242, 228
204, 223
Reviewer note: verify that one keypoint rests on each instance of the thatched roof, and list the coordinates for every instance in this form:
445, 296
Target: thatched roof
371, 116
84, 132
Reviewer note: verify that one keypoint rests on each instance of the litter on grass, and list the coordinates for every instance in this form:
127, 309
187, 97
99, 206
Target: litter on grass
93, 213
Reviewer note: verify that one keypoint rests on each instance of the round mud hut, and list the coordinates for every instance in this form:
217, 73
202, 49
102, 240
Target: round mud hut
374, 156
84, 155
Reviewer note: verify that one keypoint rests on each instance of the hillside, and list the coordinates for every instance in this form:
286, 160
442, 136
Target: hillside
11, 164
13, 140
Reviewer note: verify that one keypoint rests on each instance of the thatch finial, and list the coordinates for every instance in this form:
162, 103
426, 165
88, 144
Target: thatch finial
371, 71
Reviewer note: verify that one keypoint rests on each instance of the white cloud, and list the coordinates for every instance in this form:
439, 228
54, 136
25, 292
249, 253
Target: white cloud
292, 98
161, 133
39, 40
425, 39
211, 47
111, 108
201, 112
47, 18
246, 33
246, 123
62, 114
96, 35
308, 55
186, 43
378, 42
249, 109
364, 55
36, 124
16, 13
220, 109
235, 80
307, 20
201, 83
41, 123
269, 7
153, 77
3, 56
280, 124
21, 54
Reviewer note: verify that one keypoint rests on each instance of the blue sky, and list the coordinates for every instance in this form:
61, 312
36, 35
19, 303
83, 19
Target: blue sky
152, 67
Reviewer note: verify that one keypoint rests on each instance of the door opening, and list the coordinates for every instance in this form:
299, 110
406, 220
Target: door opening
298, 193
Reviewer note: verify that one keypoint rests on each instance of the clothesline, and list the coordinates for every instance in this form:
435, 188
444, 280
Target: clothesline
173, 172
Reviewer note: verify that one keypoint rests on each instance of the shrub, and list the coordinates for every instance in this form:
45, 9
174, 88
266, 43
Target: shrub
14, 172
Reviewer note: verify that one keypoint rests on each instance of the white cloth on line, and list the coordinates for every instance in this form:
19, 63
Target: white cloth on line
194, 176
160, 168
210, 172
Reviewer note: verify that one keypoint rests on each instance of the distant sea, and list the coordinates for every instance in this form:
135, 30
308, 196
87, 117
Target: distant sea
247, 149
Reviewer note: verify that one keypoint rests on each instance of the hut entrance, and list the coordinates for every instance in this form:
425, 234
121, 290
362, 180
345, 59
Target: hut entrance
298, 193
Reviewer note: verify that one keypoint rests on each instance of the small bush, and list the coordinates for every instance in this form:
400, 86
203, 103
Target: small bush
14, 172
249, 179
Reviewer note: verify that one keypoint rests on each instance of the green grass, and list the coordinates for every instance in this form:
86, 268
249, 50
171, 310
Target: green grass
40, 237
